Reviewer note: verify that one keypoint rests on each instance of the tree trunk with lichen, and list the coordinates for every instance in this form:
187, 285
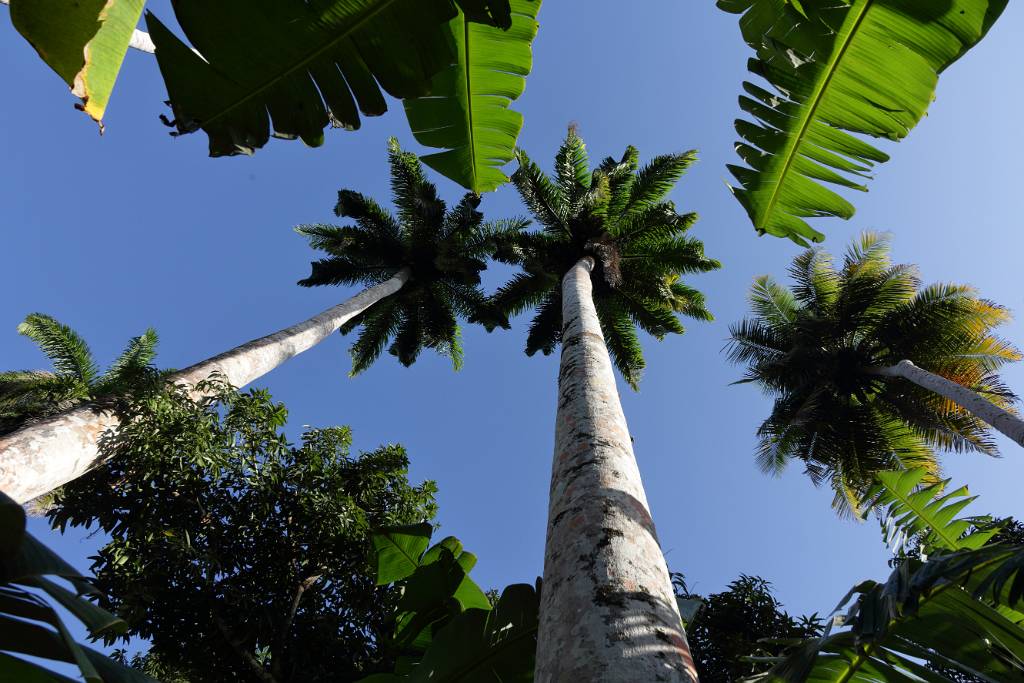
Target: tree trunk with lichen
608, 611
971, 401
51, 452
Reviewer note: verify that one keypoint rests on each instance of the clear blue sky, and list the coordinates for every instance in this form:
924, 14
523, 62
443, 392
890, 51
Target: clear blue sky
133, 229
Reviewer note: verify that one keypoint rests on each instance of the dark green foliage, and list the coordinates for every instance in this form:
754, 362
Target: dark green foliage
618, 216
31, 626
956, 616
444, 252
238, 555
289, 68
445, 629
730, 626
813, 348
29, 394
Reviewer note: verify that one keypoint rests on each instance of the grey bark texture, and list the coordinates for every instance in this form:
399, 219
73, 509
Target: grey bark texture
971, 401
608, 611
46, 454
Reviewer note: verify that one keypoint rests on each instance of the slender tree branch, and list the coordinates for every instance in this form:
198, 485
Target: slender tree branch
246, 656
277, 658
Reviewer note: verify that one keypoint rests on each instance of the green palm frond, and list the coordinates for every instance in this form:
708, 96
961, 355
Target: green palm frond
379, 324
617, 216
542, 197
814, 348
67, 351
620, 337
655, 180
857, 66
131, 365
546, 327
572, 171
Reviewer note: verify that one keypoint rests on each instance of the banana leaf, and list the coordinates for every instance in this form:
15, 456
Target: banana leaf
836, 67
467, 113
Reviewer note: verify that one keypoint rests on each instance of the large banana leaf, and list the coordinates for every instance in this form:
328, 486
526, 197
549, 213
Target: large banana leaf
955, 615
290, 67
445, 628
467, 113
84, 42
32, 627
837, 66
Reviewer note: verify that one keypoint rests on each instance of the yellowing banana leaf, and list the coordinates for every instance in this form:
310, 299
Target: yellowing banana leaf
84, 42
837, 67
467, 112
289, 68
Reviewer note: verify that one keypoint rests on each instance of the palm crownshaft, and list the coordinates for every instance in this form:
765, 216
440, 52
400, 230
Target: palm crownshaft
835, 351
608, 258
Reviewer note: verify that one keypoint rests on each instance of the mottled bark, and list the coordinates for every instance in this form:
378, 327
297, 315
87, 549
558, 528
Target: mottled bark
46, 454
971, 401
608, 611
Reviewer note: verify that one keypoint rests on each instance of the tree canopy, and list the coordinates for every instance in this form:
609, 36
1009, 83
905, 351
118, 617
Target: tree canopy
238, 555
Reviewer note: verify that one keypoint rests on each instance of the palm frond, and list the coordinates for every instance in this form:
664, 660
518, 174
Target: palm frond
656, 179
572, 171
621, 339
546, 327
133, 362
542, 197
379, 325
67, 351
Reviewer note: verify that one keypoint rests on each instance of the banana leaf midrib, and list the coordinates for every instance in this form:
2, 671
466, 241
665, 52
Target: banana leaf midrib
817, 96
306, 61
469, 102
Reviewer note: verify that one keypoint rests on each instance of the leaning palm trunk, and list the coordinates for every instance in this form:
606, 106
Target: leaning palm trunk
971, 401
608, 612
46, 454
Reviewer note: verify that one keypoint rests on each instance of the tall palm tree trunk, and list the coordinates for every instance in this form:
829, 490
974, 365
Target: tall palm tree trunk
971, 401
46, 454
608, 612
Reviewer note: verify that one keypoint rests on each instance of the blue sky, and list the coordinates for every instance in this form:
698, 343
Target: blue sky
133, 229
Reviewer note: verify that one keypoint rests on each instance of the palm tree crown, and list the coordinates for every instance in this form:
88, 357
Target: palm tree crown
618, 216
442, 251
27, 394
815, 348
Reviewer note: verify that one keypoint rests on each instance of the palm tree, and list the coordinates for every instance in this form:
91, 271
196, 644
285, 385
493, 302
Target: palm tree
870, 370
75, 379
609, 257
438, 254
422, 269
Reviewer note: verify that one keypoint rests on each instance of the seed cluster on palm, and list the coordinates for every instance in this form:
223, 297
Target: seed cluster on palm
823, 350
442, 252
618, 216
